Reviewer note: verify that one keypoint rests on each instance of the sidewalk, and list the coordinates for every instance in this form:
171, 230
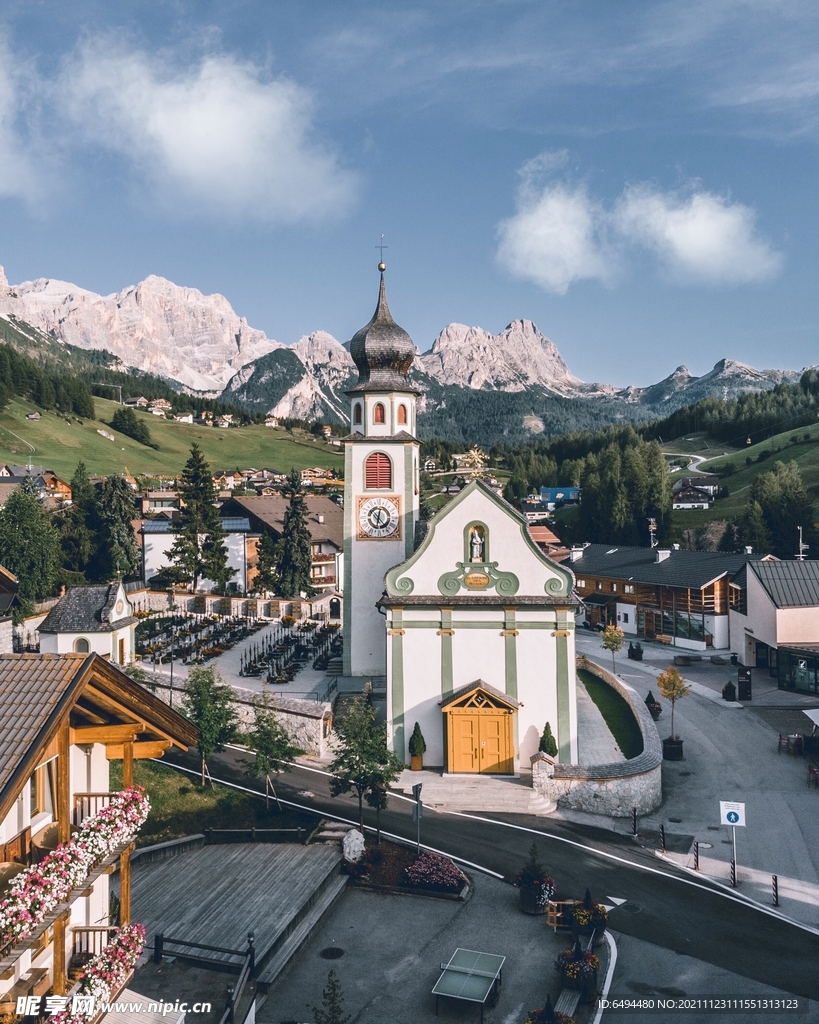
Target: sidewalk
730, 754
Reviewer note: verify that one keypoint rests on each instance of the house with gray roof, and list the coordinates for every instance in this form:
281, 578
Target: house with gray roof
666, 594
774, 620
98, 619
157, 537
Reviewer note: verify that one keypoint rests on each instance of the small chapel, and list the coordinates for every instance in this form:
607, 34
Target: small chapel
470, 623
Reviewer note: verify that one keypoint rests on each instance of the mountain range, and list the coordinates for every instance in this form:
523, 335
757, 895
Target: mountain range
474, 385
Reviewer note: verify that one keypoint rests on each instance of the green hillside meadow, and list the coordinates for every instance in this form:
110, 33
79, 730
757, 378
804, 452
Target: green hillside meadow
780, 448
54, 442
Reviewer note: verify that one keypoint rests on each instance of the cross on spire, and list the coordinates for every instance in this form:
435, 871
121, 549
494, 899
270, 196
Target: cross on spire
381, 247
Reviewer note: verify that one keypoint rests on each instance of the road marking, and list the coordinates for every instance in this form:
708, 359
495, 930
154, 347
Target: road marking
335, 817
616, 900
716, 890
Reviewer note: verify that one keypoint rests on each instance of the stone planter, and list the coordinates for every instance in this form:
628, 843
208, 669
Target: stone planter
672, 749
416, 762
527, 901
585, 984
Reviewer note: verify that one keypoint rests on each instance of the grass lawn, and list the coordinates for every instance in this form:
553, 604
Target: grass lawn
180, 807
58, 444
618, 715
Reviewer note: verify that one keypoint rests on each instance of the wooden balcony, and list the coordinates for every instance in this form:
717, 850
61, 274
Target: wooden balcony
10, 954
86, 805
86, 943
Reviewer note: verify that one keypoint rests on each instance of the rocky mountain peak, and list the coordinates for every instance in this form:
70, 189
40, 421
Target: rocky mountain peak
517, 358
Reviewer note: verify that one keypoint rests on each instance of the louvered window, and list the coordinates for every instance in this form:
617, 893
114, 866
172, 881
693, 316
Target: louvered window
378, 471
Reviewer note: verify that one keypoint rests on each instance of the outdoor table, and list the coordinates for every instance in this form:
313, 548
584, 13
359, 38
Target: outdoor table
470, 976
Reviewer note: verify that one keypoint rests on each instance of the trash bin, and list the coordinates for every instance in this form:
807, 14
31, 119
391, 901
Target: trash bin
734, 659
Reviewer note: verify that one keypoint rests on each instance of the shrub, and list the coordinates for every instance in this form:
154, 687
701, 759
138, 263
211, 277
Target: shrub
432, 871
417, 744
548, 744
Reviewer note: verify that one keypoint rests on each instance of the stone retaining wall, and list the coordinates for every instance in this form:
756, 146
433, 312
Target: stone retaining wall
308, 722
616, 788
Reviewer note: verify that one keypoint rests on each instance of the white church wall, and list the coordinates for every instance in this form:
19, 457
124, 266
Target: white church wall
421, 647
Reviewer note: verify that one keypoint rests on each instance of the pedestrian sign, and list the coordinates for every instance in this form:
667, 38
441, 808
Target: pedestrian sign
731, 813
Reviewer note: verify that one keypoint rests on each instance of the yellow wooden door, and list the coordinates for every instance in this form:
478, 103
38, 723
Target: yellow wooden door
466, 743
492, 742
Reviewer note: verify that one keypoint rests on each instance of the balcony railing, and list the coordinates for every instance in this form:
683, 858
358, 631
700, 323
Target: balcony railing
91, 939
323, 558
86, 805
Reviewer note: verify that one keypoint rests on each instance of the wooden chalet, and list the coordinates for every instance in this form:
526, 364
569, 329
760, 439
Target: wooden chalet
676, 597
65, 717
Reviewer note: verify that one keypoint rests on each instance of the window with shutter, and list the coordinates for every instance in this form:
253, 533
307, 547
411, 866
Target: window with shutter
378, 471
402, 414
379, 414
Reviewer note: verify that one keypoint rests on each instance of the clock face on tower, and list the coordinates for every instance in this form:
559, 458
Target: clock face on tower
379, 518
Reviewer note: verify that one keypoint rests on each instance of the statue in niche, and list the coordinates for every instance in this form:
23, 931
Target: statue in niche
476, 544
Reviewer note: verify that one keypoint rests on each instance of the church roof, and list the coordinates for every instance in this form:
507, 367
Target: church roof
85, 610
382, 351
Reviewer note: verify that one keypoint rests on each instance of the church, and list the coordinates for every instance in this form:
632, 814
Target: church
470, 623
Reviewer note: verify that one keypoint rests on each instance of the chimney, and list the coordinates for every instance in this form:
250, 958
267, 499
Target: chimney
661, 554
576, 553
748, 549
676, 547
321, 517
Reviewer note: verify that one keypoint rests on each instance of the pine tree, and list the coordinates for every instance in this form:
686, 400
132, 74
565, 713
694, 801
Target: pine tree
117, 552
331, 1010
752, 529
29, 547
78, 525
295, 546
266, 565
199, 550
548, 744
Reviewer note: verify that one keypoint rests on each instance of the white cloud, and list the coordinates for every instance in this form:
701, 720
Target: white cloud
560, 235
19, 173
701, 236
554, 238
220, 136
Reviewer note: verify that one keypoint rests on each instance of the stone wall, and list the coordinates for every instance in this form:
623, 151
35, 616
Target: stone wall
308, 722
613, 789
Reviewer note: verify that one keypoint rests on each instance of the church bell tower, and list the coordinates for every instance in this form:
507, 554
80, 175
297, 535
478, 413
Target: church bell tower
381, 482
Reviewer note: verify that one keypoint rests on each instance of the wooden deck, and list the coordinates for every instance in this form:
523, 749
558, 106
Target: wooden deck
217, 894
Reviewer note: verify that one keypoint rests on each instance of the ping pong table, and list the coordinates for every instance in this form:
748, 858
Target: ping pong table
472, 977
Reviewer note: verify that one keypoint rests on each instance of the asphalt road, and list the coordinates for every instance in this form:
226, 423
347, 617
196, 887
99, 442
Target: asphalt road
663, 906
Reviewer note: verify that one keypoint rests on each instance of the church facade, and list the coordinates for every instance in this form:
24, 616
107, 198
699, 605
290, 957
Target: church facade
474, 629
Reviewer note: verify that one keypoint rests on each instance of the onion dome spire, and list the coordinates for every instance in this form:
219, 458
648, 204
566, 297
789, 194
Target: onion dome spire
382, 351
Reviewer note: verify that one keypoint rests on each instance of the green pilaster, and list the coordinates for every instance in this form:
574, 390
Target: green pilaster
409, 502
348, 557
446, 651
397, 638
564, 725
510, 641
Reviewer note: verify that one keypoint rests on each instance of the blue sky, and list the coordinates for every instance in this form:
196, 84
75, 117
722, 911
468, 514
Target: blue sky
637, 178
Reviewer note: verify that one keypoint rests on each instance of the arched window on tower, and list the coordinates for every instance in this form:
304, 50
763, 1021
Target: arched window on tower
378, 471
379, 413
357, 414
402, 414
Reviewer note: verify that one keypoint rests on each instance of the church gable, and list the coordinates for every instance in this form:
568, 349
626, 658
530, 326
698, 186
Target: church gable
478, 545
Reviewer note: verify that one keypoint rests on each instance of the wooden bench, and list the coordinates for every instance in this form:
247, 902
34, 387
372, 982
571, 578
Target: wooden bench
661, 638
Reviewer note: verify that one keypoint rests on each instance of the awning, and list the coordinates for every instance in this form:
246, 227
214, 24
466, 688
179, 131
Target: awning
599, 600
813, 716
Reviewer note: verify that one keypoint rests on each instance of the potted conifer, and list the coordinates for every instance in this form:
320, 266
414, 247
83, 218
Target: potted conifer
417, 748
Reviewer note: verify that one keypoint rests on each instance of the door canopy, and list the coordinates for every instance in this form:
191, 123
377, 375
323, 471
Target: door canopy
479, 695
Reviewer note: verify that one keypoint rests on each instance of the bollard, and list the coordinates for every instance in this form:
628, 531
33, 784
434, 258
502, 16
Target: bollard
696, 856
662, 837
733, 874
634, 821
775, 890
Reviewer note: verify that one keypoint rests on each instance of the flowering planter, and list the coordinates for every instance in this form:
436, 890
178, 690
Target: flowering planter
531, 901
105, 976
585, 983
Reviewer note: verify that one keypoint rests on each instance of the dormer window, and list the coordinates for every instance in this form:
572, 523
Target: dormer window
379, 413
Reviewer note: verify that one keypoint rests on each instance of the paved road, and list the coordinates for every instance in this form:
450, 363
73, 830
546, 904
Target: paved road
665, 907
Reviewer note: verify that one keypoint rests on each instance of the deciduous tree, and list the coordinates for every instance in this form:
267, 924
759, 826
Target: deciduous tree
210, 704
